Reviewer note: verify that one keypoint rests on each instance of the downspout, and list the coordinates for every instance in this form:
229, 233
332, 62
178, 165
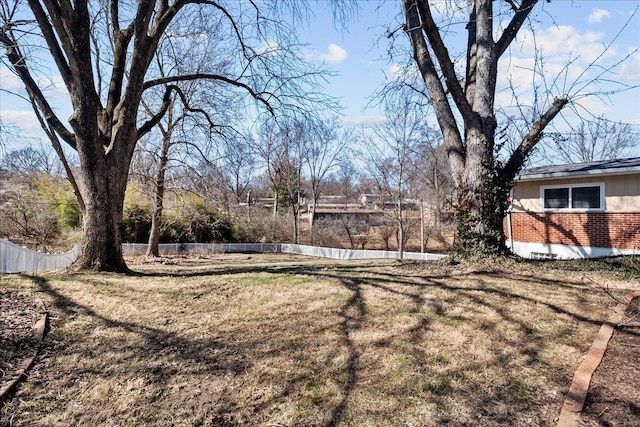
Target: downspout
509, 224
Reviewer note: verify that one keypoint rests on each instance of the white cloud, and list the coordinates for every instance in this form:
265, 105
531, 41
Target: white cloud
597, 15
334, 54
9, 80
53, 87
394, 72
24, 119
565, 41
269, 47
630, 70
365, 121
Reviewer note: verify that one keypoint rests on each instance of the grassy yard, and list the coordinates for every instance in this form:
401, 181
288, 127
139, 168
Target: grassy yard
277, 340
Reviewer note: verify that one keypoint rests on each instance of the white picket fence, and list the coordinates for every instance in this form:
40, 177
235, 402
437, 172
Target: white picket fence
335, 253
16, 259
131, 249
315, 251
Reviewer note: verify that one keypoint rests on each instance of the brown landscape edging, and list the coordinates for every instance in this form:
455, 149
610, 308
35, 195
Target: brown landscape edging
574, 402
27, 363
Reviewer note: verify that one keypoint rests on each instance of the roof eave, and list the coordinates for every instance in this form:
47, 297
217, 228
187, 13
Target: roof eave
578, 174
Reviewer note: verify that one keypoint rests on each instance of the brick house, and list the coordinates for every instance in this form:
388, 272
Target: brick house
576, 211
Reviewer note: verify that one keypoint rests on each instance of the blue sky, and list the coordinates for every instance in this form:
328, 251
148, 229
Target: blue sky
565, 29
575, 30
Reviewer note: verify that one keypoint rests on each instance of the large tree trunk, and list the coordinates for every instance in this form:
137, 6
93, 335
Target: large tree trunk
480, 208
104, 198
104, 168
481, 201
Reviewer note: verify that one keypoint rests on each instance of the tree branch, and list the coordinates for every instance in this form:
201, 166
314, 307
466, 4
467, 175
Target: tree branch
232, 21
514, 26
165, 15
121, 44
35, 94
63, 159
166, 103
52, 42
155, 119
472, 59
437, 95
258, 96
444, 59
509, 171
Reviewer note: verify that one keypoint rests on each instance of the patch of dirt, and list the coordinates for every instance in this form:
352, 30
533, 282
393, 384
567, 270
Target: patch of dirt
614, 396
18, 315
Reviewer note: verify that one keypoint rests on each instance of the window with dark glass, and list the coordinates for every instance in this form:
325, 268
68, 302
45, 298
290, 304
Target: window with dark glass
556, 198
573, 197
585, 197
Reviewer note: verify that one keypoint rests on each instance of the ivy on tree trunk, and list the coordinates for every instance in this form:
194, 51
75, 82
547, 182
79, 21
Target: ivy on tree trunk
482, 183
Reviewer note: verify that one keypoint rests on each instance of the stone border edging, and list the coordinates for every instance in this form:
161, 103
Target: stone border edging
574, 402
27, 363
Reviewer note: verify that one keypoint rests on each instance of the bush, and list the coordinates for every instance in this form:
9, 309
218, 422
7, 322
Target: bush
327, 234
264, 229
172, 230
136, 223
206, 225
29, 219
68, 211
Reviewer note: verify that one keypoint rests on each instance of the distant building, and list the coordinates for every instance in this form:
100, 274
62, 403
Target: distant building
370, 199
358, 215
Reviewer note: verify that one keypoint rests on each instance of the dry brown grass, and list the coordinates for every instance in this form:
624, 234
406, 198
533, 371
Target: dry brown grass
277, 340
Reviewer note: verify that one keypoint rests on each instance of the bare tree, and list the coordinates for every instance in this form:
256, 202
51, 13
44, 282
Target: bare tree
391, 153
326, 141
463, 98
161, 160
7, 130
208, 181
282, 149
238, 162
104, 52
344, 180
433, 174
29, 164
185, 132
35, 201
592, 141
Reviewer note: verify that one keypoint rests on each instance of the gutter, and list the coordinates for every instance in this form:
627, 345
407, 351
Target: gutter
509, 224
577, 174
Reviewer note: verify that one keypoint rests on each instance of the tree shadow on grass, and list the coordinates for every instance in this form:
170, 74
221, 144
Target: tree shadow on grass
414, 288
222, 355
352, 313
217, 355
515, 390
225, 356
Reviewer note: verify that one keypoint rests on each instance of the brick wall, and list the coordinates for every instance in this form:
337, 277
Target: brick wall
602, 230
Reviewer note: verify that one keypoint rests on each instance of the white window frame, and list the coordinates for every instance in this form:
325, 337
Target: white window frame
571, 187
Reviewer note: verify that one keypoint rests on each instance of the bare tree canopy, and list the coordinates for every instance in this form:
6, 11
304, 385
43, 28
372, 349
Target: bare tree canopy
592, 141
106, 55
392, 151
326, 144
